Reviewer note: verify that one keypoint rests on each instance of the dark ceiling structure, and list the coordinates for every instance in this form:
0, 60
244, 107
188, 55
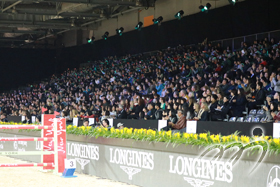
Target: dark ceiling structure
27, 22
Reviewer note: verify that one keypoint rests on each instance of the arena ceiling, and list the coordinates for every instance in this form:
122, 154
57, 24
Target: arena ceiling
27, 21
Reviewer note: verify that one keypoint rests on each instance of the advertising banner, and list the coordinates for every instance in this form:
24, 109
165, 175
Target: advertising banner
61, 141
160, 165
48, 120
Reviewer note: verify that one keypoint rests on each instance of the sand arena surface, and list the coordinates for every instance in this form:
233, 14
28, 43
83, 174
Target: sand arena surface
32, 177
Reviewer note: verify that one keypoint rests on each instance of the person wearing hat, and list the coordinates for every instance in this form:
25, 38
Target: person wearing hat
120, 126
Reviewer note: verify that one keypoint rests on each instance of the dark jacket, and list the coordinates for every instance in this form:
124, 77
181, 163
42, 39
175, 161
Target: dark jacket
151, 114
224, 109
137, 109
204, 116
239, 106
158, 114
260, 96
4, 120
122, 115
213, 106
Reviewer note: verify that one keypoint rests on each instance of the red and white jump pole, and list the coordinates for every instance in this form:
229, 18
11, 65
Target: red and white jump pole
25, 127
25, 139
26, 165
53, 150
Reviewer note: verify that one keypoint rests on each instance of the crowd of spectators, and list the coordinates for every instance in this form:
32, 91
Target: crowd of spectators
202, 82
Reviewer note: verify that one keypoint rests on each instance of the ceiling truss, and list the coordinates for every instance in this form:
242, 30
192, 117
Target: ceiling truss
33, 20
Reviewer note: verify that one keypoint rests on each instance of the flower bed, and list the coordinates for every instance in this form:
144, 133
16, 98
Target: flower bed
272, 145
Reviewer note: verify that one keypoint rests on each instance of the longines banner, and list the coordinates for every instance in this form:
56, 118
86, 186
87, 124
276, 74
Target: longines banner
160, 165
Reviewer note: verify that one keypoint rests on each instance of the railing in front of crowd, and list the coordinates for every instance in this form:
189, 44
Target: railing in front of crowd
236, 42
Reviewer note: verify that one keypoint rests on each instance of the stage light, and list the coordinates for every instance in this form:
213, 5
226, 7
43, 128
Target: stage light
232, 2
90, 41
105, 36
208, 6
139, 26
119, 31
205, 8
158, 20
179, 14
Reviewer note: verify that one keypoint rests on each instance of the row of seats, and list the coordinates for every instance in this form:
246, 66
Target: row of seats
254, 116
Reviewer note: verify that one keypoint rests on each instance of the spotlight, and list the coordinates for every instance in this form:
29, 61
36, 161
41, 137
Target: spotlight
179, 14
232, 2
205, 8
105, 36
139, 26
119, 31
158, 20
90, 41
208, 6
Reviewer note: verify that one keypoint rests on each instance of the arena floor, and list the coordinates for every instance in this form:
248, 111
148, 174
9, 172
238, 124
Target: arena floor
32, 177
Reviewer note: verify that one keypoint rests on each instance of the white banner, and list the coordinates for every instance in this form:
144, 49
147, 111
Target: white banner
75, 121
91, 121
33, 119
276, 130
191, 127
161, 124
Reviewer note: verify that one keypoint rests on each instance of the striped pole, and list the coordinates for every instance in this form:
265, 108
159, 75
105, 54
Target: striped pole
24, 127
26, 139
4, 153
55, 147
26, 165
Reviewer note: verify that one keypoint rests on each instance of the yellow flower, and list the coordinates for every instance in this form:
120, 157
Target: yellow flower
112, 130
186, 135
168, 133
203, 135
217, 137
276, 141
177, 135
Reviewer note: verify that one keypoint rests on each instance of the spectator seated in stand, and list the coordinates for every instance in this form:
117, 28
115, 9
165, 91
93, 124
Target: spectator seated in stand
180, 124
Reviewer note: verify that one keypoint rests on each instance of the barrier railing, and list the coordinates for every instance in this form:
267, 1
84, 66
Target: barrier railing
25, 139
52, 154
39, 127
26, 165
